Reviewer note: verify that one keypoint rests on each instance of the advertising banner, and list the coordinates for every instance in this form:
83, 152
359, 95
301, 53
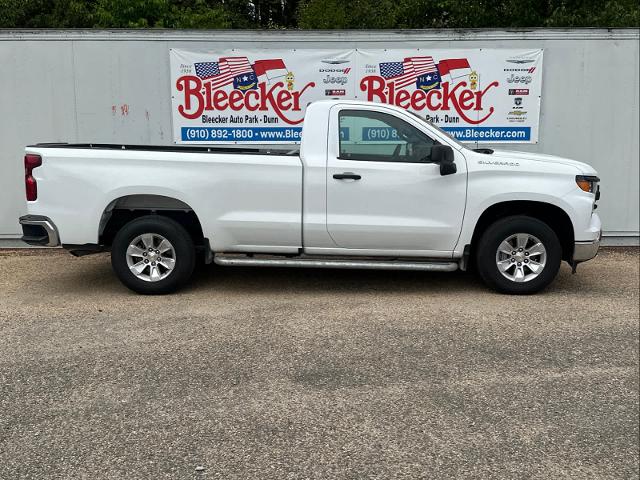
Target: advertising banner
253, 96
238, 96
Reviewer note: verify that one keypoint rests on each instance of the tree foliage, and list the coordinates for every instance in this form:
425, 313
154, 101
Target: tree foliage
318, 14
360, 14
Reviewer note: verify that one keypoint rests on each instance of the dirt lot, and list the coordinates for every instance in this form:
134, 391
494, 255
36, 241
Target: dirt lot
292, 374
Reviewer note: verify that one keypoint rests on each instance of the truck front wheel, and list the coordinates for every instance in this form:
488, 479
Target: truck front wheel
153, 255
518, 255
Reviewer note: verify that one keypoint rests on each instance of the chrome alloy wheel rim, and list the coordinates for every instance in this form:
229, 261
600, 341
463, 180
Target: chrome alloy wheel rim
151, 257
521, 257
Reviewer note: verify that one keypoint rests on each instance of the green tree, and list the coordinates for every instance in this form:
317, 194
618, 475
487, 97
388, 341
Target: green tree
318, 14
323, 15
590, 13
328, 14
45, 14
198, 14
131, 13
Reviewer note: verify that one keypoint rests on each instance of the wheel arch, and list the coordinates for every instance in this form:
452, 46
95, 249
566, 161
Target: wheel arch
554, 216
125, 208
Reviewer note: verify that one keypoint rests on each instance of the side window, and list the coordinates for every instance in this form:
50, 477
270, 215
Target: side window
381, 137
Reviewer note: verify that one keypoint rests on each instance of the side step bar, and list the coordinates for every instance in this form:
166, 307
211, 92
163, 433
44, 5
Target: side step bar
242, 261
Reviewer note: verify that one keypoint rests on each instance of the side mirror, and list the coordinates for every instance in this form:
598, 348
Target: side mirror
443, 155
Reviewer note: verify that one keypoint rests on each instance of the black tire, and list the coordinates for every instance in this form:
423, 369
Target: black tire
174, 233
501, 230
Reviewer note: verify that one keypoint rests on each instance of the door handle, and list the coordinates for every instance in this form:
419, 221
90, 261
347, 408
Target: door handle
346, 176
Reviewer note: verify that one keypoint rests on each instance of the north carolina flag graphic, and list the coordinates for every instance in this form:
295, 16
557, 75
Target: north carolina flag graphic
245, 81
272, 68
454, 68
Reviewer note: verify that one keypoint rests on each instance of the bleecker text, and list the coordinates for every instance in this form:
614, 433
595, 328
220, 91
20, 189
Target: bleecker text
461, 99
199, 96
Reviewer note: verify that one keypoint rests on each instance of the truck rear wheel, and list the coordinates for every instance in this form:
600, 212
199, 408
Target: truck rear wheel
153, 255
518, 255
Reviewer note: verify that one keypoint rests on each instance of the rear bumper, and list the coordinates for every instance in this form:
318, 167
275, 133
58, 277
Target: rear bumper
584, 251
40, 231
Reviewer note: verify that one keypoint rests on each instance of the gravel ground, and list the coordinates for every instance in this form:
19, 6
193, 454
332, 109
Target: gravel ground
316, 374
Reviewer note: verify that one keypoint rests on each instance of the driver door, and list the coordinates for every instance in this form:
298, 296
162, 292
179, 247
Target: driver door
383, 193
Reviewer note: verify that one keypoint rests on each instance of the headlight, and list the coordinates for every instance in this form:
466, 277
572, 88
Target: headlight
588, 183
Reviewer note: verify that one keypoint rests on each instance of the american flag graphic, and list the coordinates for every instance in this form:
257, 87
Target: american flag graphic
391, 69
206, 70
406, 72
223, 71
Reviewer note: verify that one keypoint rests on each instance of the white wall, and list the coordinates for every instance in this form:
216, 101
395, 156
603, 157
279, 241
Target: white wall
74, 85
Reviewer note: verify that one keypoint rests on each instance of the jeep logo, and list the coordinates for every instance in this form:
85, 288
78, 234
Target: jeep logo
526, 79
335, 80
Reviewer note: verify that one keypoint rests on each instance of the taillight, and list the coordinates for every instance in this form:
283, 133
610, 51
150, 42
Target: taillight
31, 186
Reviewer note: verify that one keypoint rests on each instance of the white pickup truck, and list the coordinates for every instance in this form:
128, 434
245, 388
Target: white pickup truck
372, 186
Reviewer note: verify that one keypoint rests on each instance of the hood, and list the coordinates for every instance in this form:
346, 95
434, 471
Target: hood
541, 157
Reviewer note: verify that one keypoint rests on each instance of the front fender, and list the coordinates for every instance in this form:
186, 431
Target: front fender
483, 197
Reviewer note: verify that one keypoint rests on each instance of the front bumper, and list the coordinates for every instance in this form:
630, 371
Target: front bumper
39, 231
584, 251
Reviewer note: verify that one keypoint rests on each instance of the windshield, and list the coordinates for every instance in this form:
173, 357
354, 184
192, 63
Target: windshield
424, 120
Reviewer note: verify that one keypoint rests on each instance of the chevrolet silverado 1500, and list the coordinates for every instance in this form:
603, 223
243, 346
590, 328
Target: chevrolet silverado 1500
371, 186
